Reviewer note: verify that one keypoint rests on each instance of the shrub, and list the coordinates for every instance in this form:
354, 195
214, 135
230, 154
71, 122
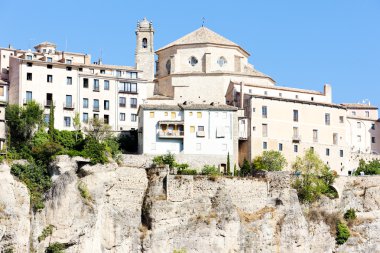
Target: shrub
84, 192
46, 151
187, 172
68, 139
36, 178
228, 165
48, 231
55, 248
245, 169
269, 161
210, 170
350, 215
370, 168
342, 233
168, 159
95, 151
112, 146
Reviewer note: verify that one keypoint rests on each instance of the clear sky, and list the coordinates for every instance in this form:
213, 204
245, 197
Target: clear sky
300, 43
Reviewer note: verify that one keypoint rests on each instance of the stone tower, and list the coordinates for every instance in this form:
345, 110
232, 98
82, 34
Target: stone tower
144, 49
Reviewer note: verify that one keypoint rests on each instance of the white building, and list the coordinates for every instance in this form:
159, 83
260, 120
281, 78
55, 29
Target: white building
190, 129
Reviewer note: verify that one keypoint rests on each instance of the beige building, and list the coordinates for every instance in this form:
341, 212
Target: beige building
74, 84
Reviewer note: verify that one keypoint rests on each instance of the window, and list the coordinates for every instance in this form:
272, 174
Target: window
69, 101
96, 104
373, 139
265, 145
128, 87
96, 116
327, 119
49, 66
106, 85
46, 118
144, 43
295, 148
69, 80
221, 61
265, 130
353, 113
85, 102
168, 66
359, 125
280, 147
96, 85
133, 102
173, 115
29, 64
122, 116
327, 152
265, 93
49, 59
296, 96
312, 149
29, 57
264, 111
151, 114
199, 115
341, 119
85, 83
68, 68
80, 69
373, 127
29, 76
106, 119
280, 94
49, 78
85, 117
49, 99
67, 121
122, 101
68, 61
133, 75
118, 73
335, 138
295, 115
1, 90
133, 117
29, 96
106, 104
367, 114
102, 71
315, 135
359, 138
193, 61
312, 98
201, 128
341, 153
295, 133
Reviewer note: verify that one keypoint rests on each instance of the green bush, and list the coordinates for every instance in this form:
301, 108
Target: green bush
187, 172
55, 248
48, 231
245, 169
269, 161
342, 233
210, 170
350, 215
36, 179
168, 159
369, 168
46, 151
95, 151
68, 139
112, 146
84, 192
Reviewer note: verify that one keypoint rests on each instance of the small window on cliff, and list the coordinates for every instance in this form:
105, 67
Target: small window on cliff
144, 43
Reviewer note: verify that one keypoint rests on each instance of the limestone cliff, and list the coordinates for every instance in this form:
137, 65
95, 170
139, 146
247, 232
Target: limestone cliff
124, 209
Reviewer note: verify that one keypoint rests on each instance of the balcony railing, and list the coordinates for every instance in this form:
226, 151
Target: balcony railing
297, 138
170, 134
68, 106
49, 103
95, 109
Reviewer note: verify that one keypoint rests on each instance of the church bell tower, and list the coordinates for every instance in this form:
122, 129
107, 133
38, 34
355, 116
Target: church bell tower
144, 56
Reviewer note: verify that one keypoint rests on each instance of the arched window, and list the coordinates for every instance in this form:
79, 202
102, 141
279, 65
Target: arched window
168, 66
221, 61
193, 61
144, 43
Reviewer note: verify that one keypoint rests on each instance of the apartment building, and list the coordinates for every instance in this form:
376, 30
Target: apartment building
74, 84
188, 128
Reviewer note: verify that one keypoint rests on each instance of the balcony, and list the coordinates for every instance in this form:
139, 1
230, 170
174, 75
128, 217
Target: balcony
68, 106
95, 109
296, 138
170, 129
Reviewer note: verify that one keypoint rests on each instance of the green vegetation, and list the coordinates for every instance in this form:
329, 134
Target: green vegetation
179, 250
9, 250
84, 192
350, 215
168, 159
235, 171
269, 161
246, 169
36, 179
315, 178
55, 248
228, 165
369, 168
183, 169
342, 233
48, 231
210, 170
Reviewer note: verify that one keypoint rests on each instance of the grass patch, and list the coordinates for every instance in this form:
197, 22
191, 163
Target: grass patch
56, 248
48, 231
84, 192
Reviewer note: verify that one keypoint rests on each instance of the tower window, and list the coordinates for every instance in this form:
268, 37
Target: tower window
221, 61
168, 66
144, 43
193, 61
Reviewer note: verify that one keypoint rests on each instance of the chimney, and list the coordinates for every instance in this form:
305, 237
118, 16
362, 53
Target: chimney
328, 92
241, 95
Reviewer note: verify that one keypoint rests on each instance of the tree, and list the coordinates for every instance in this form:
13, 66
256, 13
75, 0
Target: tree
22, 122
228, 165
370, 168
98, 130
315, 177
77, 125
245, 169
270, 161
51, 121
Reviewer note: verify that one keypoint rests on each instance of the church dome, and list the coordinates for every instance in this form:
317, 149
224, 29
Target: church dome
144, 23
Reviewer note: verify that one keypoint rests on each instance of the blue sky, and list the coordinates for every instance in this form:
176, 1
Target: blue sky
300, 44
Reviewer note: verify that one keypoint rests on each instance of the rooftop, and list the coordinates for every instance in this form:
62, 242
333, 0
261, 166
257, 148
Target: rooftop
359, 106
282, 88
189, 106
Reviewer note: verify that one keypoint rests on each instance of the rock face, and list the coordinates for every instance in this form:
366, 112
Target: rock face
123, 209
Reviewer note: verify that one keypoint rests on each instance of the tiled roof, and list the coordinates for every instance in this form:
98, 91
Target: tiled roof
202, 35
160, 107
359, 106
282, 88
189, 106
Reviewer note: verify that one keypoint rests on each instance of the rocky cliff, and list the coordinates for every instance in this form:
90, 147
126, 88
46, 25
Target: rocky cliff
110, 208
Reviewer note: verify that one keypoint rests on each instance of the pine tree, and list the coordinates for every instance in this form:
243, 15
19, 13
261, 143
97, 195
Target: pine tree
228, 165
51, 121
